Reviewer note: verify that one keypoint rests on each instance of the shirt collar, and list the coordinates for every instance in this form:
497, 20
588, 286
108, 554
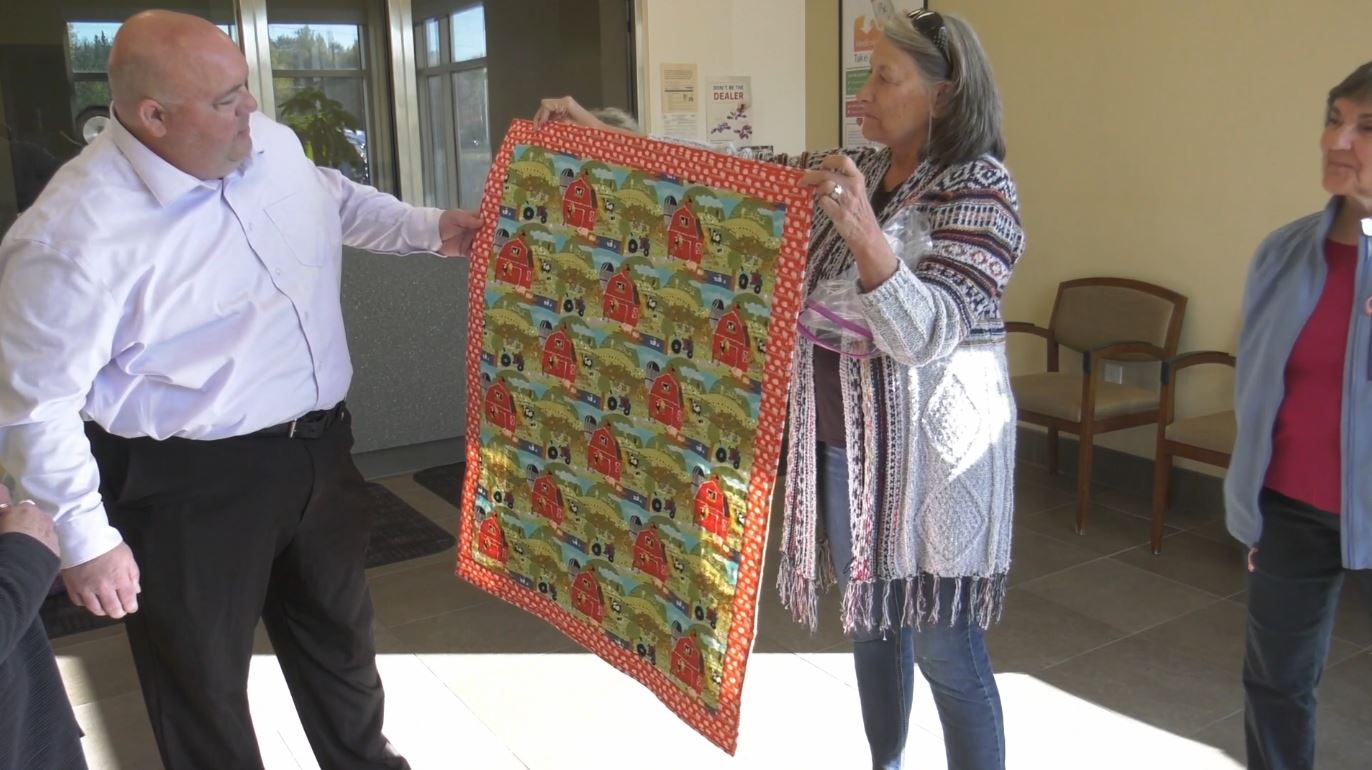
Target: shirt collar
1331, 210
165, 181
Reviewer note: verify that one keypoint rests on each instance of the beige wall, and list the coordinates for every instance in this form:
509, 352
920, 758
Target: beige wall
764, 39
1161, 141
821, 74
792, 58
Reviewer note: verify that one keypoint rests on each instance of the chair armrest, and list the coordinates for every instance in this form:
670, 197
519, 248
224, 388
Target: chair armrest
1194, 358
1022, 327
1133, 350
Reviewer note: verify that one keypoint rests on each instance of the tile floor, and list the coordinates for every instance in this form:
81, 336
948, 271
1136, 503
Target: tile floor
1108, 656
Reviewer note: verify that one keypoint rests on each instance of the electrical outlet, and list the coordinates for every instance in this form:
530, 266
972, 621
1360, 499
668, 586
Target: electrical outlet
1114, 373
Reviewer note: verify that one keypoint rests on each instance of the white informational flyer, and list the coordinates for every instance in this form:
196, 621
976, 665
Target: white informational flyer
680, 108
729, 110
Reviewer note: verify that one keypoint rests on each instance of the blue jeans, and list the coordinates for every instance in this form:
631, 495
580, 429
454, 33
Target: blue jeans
952, 658
1293, 594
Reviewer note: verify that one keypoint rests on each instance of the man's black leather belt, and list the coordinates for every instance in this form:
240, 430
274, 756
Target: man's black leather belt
311, 425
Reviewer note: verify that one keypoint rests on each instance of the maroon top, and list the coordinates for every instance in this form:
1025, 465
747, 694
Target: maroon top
1306, 441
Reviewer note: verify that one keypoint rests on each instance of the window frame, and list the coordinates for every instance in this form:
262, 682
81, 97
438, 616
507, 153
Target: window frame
446, 71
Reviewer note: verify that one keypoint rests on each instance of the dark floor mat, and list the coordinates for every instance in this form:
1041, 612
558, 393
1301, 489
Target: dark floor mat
444, 481
399, 533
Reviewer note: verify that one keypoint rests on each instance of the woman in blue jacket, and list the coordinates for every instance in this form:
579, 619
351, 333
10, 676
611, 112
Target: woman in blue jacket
1299, 488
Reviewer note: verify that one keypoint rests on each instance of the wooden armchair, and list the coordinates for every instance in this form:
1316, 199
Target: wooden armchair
1207, 438
1105, 319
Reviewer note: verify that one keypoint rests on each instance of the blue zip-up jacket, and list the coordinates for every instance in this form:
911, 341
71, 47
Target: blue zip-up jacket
1284, 285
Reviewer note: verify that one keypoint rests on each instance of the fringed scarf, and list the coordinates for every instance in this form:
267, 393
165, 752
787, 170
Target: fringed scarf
919, 512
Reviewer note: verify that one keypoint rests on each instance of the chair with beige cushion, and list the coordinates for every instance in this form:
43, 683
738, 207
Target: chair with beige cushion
1208, 438
1104, 319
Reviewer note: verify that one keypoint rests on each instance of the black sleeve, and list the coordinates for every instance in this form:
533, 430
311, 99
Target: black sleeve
27, 569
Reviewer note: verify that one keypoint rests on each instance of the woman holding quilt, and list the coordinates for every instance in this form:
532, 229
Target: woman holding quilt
905, 458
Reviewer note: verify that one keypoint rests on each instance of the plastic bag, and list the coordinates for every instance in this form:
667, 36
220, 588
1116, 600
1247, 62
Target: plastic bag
832, 316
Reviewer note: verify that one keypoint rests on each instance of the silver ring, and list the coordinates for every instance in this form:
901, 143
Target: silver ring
836, 194
26, 502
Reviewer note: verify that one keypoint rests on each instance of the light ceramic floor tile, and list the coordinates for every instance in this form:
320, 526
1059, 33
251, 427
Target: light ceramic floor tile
99, 668
70, 640
488, 627
542, 704
1108, 531
118, 736
421, 592
1102, 663
1119, 595
1047, 727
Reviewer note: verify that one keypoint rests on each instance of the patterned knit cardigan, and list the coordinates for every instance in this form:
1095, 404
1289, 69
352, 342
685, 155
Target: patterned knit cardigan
930, 424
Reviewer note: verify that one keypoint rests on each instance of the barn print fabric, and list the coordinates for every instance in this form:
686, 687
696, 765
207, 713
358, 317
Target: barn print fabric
633, 309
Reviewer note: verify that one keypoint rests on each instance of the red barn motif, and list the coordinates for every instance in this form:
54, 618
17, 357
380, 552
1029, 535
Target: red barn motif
547, 499
500, 406
490, 540
621, 299
559, 356
684, 236
664, 401
712, 508
578, 204
650, 555
604, 453
515, 263
587, 597
688, 664
732, 345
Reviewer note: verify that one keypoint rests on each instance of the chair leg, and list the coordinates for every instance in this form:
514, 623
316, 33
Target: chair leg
1052, 451
1162, 477
1084, 451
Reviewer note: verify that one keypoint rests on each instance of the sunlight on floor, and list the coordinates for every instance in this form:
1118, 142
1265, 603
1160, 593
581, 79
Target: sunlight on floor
496, 711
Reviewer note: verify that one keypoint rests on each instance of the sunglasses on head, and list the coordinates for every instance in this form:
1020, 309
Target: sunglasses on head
930, 24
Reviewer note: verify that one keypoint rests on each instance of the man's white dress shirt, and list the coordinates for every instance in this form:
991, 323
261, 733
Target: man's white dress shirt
158, 304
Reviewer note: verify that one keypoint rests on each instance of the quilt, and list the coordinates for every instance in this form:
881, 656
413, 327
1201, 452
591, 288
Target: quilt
633, 309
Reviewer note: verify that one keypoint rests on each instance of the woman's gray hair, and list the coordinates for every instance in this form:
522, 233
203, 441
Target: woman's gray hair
1357, 86
967, 117
614, 116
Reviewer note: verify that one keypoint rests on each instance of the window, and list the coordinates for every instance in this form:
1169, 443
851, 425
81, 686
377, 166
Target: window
454, 120
54, 87
88, 55
328, 77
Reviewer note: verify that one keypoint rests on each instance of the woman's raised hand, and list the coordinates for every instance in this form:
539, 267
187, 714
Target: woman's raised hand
565, 108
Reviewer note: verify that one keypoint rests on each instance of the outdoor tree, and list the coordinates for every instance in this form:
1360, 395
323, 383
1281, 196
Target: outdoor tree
88, 54
320, 122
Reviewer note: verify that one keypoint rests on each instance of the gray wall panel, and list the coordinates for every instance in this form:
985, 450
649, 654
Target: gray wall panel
407, 329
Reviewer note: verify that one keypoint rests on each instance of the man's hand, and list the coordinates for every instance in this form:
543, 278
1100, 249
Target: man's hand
105, 585
27, 519
458, 229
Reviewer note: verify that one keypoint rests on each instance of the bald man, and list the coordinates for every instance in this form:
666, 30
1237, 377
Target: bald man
177, 286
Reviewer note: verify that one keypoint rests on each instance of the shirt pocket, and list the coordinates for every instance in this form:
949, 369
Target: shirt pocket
302, 222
